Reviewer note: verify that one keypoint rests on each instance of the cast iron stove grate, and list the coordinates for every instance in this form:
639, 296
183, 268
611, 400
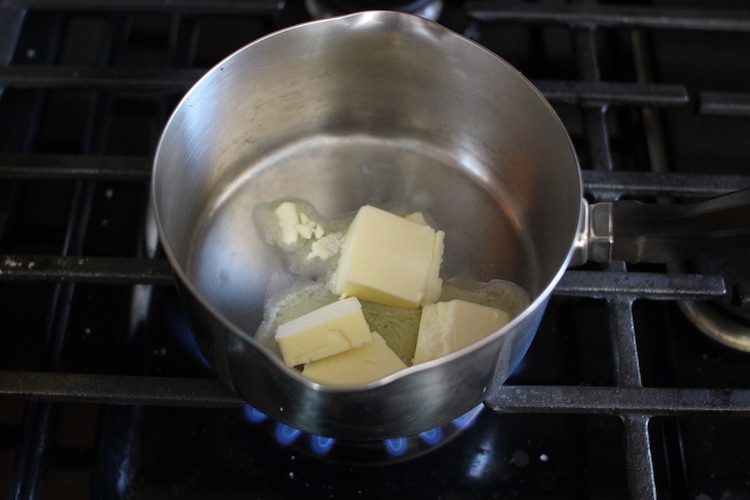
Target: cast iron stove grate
655, 97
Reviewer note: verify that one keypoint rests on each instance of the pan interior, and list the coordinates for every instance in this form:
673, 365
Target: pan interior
232, 266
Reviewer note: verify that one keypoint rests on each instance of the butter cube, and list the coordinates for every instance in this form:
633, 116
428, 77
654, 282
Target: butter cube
326, 331
390, 260
446, 327
417, 217
364, 364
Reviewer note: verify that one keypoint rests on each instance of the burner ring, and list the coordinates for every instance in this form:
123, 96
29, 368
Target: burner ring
717, 324
379, 452
727, 319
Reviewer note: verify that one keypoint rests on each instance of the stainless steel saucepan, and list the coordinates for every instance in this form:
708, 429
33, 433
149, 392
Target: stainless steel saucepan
379, 108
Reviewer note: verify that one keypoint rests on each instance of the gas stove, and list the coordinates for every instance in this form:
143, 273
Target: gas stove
635, 387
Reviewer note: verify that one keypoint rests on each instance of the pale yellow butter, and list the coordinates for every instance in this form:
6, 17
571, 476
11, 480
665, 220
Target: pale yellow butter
446, 327
390, 260
417, 217
326, 247
308, 228
295, 224
288, 218
326, 331
364, 364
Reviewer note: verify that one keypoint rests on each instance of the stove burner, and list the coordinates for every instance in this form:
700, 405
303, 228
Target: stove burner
320, 9
717, 324
366, 452
726, 320
338, 451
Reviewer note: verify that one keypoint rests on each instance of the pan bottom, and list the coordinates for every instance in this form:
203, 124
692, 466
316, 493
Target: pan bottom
233, 266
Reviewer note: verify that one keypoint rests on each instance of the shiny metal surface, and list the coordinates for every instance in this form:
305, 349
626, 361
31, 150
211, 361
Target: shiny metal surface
634, 232
669, 233
381, 108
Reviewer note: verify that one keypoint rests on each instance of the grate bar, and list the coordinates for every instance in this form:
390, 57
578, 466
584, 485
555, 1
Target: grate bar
724, 103
622, 337
639, 457
74, 167
209, 393
619, 400
587, 15
203, 6
116, 389
88, 77
598, 92
90, 167
102, 270
181, 79
663, 184
599, 284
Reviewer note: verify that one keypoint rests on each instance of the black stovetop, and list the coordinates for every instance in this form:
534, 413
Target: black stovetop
103, 393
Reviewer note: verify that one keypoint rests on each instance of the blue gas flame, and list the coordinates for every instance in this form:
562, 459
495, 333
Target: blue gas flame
467, 419
321, 444
285, 434
433, 436
395, 446
253, 414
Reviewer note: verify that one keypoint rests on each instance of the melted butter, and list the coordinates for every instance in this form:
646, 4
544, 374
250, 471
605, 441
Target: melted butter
308, 287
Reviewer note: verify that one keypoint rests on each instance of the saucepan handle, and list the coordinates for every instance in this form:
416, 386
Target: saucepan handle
632, 231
